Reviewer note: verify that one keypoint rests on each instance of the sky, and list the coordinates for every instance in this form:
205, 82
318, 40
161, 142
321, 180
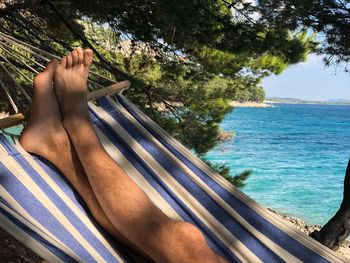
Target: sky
310, 80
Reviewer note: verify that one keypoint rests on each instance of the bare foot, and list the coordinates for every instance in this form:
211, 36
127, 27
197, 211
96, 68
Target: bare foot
44, 133
71, 83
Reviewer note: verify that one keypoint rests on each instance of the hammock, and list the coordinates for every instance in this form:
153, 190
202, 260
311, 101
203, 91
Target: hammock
40, 208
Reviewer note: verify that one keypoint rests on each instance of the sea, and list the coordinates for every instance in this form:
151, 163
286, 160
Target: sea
298, 154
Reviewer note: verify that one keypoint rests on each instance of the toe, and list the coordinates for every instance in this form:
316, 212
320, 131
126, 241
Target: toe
41, 82
45, 78
80, 55
51, 67
38, 81
63, 62
75, 57
88, 54
69, 61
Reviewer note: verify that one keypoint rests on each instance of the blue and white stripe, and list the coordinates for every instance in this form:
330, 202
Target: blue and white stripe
40, 207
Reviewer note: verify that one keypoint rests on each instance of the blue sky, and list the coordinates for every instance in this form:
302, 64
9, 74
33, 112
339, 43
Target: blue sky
310, 81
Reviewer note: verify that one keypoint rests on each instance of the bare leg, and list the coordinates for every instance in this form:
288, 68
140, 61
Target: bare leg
45, 135
125, 204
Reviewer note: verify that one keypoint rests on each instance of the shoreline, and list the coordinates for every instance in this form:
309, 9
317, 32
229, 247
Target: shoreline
306, 103
250, 104
306, 228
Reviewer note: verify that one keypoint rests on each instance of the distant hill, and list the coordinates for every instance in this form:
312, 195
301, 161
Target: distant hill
338, 100
301, 101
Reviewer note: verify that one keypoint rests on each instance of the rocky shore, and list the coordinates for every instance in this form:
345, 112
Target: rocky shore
13, 251
307, 229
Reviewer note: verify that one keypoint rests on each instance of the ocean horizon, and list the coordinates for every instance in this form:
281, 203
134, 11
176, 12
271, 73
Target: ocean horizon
298, 154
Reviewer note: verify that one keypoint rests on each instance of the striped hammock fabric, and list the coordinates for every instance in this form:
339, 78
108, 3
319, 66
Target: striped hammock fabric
39, 207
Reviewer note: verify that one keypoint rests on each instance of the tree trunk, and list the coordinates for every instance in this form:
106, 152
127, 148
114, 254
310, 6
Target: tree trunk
337, 229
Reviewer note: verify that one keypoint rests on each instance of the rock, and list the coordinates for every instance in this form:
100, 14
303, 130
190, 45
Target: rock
25, 259
164, 106
297, 223
224, 136
12, 246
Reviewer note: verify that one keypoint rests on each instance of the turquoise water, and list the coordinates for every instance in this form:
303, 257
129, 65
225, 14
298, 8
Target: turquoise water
298, 154
15, 130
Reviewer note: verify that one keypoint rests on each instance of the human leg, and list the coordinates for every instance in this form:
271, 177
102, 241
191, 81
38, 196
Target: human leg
125, 204
45, 135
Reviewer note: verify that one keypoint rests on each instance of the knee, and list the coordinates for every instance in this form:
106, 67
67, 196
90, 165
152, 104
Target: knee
190, 244
188, 239
183, 242
188, 233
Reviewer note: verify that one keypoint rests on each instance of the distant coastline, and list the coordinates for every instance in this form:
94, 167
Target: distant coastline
269, 102
250, 104
300, 101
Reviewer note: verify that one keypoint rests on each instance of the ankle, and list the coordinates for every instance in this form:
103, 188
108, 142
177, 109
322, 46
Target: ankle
74, 124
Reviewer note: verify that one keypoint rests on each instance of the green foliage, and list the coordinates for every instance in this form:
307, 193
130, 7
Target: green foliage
203, 30
330, 19
237, 180
4, 105
288, 49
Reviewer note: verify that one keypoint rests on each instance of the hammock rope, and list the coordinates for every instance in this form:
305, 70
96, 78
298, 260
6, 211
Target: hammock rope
27, 47
38, 64
30, 68
7, 47
12, 102
15, 82
31, 59
15, 68
36, 52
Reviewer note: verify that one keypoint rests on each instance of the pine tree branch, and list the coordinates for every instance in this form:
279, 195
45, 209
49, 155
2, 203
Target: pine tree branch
80, 35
